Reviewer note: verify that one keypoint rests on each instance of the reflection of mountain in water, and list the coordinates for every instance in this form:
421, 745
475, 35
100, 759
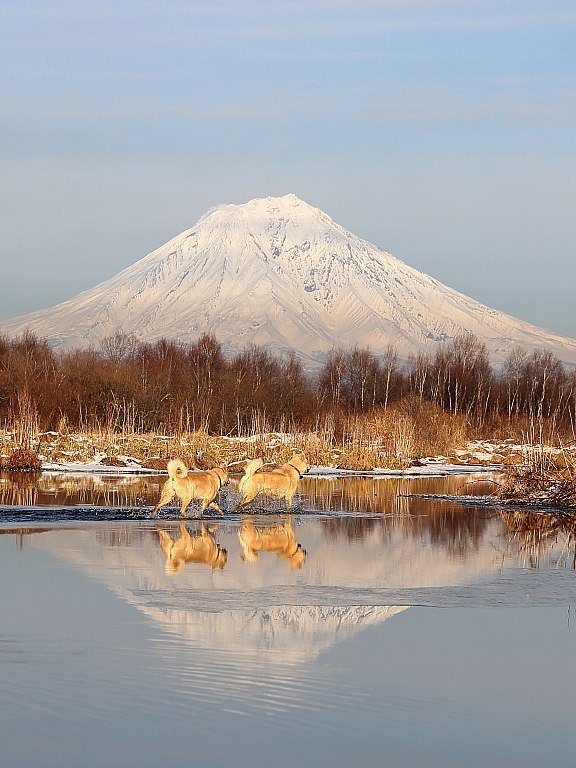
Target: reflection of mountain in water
263, 607
286, 634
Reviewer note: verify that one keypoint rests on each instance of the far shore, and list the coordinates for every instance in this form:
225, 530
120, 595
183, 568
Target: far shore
534, 474
109, 452
430, 468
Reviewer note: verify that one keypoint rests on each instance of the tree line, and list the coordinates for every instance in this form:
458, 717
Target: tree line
166, 386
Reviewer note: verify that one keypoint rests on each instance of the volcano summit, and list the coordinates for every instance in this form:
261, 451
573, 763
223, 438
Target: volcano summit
279, 273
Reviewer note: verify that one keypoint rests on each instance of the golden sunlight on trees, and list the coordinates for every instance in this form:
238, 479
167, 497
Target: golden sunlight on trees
163, 385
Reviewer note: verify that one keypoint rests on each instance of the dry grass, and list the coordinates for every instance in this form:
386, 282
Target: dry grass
25, 421
201, 451
384, 438
21, 460
544, 478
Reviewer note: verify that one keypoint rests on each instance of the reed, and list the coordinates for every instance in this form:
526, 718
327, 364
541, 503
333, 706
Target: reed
25, 422
545, 478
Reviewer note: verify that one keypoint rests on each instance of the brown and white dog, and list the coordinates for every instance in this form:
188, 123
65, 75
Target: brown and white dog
187, 485
280, 482
198, 548
277, 538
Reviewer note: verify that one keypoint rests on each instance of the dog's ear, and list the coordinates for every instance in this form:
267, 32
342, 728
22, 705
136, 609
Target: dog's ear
222, 559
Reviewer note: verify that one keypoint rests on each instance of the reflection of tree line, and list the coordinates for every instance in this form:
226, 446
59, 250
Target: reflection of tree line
355, 494
389, 495
531, 535
457, 530
123, 536
28, 489
450, 526
534, 535
22, 533
350, 494
19, 488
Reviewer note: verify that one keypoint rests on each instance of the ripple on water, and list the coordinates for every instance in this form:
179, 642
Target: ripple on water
261, 643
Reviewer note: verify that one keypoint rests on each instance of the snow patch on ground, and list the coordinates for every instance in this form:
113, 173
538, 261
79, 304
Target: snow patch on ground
431, 469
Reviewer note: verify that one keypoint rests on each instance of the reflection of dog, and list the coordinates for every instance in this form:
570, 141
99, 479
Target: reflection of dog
277, 538
191, 485
199, 548
280, 482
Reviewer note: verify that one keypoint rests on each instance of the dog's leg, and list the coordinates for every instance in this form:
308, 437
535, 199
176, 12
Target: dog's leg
209, 502
166, 496
185, 501
247, 498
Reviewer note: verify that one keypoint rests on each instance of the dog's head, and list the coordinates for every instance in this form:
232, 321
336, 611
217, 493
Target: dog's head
298, 460
222, 473
174, 565
298, 559
221, 559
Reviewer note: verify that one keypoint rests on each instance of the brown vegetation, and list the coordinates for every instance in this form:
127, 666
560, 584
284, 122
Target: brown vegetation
545, 478
358, 411
22, 460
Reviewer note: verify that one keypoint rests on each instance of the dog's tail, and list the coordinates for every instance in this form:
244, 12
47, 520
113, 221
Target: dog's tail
166, 542
248, 554
252, 466
177, 469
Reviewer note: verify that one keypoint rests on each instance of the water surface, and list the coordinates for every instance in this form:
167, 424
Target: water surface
411, 633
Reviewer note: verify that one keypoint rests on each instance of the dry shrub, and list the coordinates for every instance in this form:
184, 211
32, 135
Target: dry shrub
63, 427
25, 422
544, 478
435, 431
113, 461
363, 459
23, 460
154, 463
410, 429
317, 449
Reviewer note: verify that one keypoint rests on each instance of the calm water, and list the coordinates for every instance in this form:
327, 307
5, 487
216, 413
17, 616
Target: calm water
415, 633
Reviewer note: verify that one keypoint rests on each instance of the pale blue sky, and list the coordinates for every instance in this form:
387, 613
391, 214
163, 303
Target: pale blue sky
443, 132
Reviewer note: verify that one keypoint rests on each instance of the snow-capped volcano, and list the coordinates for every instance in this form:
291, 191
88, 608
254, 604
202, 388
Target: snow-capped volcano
279, 273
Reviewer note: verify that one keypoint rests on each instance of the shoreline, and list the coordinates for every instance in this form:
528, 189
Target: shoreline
430, 469
491, 502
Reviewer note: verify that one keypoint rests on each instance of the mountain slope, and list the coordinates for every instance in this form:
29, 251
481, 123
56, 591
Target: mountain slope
280, 273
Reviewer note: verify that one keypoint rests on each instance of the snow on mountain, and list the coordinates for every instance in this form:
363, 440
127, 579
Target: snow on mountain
279, 273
